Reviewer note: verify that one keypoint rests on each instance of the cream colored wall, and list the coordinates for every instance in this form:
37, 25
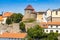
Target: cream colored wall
48, 13
39, 17
26, 15
0, 22
54, 14
56, 19
4, 20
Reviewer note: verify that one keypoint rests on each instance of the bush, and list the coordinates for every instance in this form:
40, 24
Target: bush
29, 20
37, 33
16, 17
8, 21
22, 26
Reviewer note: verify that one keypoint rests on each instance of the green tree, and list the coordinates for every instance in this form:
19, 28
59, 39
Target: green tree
22, 26
37, 33
8, 21
16, 17
52, 36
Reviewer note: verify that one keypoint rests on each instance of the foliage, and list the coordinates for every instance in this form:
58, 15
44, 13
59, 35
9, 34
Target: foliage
22, 26
8, 21
52, 36
16, 17
37, 33
29, 20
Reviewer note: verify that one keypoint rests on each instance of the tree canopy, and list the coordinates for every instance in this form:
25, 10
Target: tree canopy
8, 21
16, 17
22, 26
37, 33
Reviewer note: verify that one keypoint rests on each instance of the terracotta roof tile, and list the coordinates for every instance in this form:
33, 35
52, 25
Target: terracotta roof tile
1, 18
45, 25
29, 7
53, 23
7, 14
13, 35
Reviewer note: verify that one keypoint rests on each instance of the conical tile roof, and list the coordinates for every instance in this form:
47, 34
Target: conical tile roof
29, 7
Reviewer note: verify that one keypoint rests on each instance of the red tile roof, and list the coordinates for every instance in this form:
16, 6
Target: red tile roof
7, 14
29, 7
45, 25
13, 35
1, 18
53, 23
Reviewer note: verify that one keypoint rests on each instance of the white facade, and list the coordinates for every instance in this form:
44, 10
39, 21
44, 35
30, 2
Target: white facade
55, 13
47, 15
4, 20
44, 18
53, 28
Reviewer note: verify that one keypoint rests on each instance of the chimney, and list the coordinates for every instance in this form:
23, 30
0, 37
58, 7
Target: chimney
2, 12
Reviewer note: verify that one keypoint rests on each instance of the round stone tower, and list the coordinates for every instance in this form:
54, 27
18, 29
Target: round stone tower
29, 12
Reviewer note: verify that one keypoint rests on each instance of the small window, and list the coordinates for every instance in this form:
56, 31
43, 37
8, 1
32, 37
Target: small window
56, 26
57, 31
46, 30
45, 13
27, 11
51, 26
51, 30
56, 13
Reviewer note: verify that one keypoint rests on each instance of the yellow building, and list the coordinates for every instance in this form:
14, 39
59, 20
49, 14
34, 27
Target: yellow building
56, 15
40, 16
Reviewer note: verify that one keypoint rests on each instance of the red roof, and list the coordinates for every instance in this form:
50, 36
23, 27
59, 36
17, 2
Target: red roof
7, 14
45, 25
29, 7
1, 18
13, 35
53, 23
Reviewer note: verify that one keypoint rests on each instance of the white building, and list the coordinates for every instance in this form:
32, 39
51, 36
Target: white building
52, 19
52, 27
4, 16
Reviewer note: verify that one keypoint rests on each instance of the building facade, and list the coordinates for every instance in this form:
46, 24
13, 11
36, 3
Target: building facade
53, 21
29, 13
40, 16
4, 16
47, 19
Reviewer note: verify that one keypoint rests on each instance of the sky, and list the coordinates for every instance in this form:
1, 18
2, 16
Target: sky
18, 6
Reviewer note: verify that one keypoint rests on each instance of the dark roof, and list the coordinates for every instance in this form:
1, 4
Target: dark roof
41, 12
56, 9
29, 7
0, 14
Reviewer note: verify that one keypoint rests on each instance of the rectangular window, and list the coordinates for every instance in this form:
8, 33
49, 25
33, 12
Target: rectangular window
57, 31
51, 26
56, 13
51, 30
56, 26
46, 30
